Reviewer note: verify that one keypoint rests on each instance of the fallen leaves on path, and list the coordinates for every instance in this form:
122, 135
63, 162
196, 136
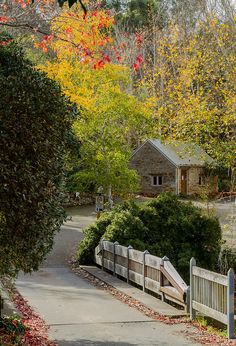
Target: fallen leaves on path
37, 334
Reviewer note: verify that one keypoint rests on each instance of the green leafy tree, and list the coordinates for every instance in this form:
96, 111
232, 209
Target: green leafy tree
136, 14
70, 3
112, 120
35, 127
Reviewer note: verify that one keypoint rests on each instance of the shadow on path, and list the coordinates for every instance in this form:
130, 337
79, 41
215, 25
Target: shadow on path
91, 343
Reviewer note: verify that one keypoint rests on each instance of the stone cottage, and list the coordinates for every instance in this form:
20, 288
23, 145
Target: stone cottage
176, 167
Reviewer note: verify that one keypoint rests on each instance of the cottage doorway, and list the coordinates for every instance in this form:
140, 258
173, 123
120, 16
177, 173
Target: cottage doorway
184, 181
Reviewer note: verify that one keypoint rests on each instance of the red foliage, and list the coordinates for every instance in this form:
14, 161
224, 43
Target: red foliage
95, 46
68, 30
36, 335
107, 58
4, 19
138, 62
138, 38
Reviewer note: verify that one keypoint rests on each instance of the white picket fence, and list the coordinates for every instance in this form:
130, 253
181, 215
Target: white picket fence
212, 294
150, 272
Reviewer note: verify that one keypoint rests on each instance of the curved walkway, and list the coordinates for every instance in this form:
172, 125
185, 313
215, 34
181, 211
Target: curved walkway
80, 314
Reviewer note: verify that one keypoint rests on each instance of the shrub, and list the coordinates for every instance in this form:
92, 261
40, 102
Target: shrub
94, 233
180, 231
164, 226
12, 330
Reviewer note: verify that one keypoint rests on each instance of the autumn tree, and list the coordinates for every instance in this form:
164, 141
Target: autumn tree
35, 127
32, 16
190, 79
111, 117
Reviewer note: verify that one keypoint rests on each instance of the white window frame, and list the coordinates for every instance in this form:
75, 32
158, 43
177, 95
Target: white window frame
157, 180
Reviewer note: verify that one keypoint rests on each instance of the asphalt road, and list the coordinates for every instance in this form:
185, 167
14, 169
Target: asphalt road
80, 314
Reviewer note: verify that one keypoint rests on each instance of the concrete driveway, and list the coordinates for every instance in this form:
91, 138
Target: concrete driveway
80, 314
225, 210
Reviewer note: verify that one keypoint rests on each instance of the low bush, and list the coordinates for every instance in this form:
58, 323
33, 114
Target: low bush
165, 227
94, 233
12, 331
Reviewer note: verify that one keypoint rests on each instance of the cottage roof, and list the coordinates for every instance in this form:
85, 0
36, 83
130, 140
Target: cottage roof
182, 154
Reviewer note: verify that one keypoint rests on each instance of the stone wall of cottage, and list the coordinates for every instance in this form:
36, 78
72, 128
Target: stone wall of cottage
209, 185
148, 162
194, 188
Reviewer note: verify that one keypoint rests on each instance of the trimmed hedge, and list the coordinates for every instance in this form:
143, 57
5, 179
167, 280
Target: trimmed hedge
165, 227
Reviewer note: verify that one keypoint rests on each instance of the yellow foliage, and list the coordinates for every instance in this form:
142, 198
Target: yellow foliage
193, 86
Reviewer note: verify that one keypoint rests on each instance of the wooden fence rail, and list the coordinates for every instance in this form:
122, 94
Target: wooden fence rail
212, 294
150, 272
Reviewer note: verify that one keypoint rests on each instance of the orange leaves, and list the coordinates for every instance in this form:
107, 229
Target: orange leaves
99, 64
3, 19
86, 37
68, 30
44, 44
22, 3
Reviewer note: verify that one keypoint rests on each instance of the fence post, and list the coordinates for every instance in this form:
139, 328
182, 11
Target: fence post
103, 239
1, 305
128, 248
114, 257
144, 269
191, 310
187, 299
163, 260
230, 304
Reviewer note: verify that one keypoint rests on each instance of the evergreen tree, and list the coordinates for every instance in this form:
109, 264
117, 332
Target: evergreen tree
35, 128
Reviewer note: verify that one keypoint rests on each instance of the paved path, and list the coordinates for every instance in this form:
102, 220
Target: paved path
225, 210
80, 314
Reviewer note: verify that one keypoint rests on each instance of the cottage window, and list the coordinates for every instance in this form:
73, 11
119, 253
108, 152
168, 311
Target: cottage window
201, 180
157, 180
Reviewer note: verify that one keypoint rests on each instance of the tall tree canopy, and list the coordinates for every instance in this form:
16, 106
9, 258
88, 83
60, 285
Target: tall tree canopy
191, 81
111, 117
35, 127
181, 61
135, 14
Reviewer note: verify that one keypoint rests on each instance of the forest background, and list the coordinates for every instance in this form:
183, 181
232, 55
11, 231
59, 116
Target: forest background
136, 69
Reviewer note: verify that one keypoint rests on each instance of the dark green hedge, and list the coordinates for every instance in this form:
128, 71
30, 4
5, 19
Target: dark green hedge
35, 131
165, 227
